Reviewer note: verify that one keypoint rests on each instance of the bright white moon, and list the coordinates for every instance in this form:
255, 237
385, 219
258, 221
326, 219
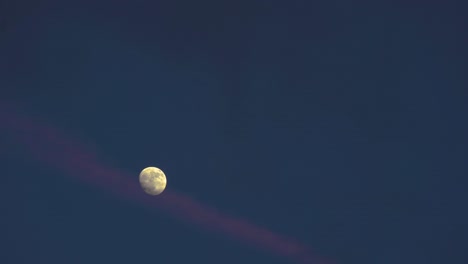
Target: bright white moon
153, 180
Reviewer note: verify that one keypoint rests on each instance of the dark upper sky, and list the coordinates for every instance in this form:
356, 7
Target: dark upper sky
340, 124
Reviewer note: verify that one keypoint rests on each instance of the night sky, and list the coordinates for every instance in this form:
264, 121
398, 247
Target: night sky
336, 124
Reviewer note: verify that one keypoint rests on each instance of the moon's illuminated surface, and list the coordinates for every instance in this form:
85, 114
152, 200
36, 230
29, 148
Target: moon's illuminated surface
153, 181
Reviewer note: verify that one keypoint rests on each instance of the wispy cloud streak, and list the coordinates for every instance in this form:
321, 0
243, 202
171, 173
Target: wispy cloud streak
54, 148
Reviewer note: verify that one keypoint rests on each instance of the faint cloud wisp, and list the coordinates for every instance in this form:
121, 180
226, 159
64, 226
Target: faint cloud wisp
50, 146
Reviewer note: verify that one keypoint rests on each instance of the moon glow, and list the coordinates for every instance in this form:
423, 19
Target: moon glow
153, 180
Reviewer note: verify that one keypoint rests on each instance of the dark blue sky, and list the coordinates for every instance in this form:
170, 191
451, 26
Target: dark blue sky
340, 124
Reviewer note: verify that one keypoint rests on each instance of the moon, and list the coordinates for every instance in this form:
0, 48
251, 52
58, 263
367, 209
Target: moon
153, 180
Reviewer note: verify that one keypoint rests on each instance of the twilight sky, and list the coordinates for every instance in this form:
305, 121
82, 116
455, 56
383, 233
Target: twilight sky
288, 131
